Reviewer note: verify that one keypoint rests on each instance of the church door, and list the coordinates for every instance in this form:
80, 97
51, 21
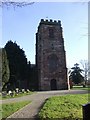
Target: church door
53, 84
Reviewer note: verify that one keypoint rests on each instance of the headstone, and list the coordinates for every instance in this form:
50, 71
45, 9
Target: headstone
10, 93
27, 90
23, 90
4, 94
86, 111
17, 90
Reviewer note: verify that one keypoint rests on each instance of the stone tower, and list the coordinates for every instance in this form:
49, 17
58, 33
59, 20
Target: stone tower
50, 56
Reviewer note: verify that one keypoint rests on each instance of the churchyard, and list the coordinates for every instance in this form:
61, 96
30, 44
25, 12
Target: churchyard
15, 94
49, 75
63, 106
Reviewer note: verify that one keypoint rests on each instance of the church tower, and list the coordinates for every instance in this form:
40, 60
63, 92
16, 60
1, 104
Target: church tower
51, 56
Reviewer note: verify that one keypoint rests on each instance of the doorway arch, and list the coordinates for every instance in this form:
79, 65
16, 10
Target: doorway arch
53, 84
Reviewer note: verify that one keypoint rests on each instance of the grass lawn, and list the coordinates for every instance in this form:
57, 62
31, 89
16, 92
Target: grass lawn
0, 97
66, 107
15, 96
10, 108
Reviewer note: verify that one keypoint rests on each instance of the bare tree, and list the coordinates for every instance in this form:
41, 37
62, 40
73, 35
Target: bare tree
15, 3
86, 68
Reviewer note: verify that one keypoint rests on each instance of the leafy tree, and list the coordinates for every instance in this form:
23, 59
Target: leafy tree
17, 65
22, 73
76, 75
5, 68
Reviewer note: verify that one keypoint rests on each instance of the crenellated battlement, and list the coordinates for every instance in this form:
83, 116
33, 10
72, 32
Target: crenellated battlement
46, 21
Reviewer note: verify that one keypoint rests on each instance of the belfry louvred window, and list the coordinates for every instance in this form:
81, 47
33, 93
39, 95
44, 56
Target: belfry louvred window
51, 33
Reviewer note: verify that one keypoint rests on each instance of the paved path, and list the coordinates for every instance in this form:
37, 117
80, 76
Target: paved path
38, 99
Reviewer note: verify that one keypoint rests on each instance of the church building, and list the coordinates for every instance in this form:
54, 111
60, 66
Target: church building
51, 56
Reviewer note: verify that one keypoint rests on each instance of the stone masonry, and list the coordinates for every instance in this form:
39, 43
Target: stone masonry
51, 56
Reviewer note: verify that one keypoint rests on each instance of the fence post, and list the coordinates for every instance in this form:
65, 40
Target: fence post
86, 111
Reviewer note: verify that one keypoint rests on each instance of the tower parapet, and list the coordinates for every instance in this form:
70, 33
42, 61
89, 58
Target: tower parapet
50, 22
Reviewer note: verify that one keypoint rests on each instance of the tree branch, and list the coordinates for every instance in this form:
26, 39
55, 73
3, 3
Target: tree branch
9, 3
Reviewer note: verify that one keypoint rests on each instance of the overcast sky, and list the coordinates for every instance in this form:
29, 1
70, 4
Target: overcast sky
21, 24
